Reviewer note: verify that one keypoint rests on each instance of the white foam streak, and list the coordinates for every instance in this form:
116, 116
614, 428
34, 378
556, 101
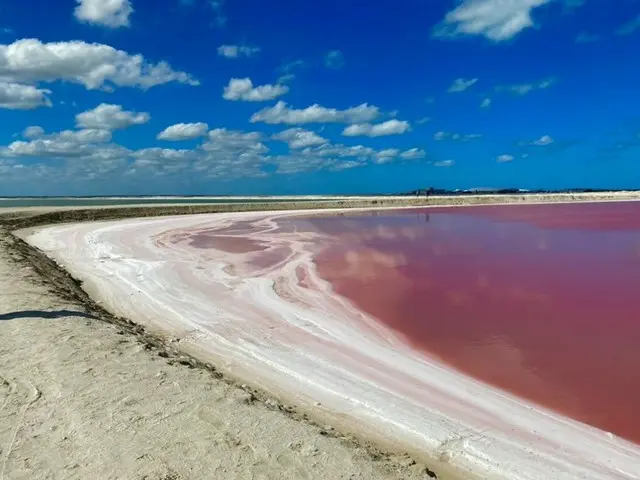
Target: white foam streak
318, 347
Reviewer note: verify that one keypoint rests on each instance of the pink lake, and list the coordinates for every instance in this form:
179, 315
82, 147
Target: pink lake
541, 300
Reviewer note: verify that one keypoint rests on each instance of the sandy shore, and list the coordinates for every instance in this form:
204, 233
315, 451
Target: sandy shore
85, 395
105, 371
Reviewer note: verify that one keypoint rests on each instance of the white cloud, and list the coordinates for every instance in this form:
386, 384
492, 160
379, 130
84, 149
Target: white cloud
504, 158
390, 154
423, 120
334, 59
338, 166
524, 88
110, 117
335, 157
243, 89
497, 20
413, 154
387, 155
16, 96
341, 151
108, 13
235, 51
159, 157
33, 132
486, 103
184, 131
444, 163
543, 141
461, 84
390, 127
86, 143
92, 65
458, 137
281, 113
629, 27
234, 140
300, 138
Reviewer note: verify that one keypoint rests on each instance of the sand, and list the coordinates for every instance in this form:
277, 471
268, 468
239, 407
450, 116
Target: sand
83, 398
313, 349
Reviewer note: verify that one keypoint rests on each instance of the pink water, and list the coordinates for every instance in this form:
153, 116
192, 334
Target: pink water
542, 301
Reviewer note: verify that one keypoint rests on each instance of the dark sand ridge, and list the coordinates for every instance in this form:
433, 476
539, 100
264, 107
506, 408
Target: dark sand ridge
66, 289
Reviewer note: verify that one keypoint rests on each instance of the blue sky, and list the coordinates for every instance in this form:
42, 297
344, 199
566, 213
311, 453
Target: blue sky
255, 97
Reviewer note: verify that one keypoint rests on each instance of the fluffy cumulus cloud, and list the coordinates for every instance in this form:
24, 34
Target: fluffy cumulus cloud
300, 138
93, 65
497, 20
33, 131
280, 113
16, 96
184, 131
89, 144
386, 155
390, 127
107, 13
243, 89
234, 140
236, 51
110, 117
90, 153
462, 84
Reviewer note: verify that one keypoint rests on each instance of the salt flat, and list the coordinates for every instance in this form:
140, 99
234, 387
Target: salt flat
278, 325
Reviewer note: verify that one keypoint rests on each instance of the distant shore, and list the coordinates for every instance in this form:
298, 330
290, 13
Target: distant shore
24, 217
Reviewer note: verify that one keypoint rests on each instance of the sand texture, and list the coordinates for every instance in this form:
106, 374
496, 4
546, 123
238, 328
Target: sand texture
81, 398
297, 340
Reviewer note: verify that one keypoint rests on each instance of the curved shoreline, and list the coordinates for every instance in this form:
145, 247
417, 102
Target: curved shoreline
468, 449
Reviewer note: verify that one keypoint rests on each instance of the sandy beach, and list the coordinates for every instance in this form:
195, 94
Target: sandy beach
83, 395
239, 406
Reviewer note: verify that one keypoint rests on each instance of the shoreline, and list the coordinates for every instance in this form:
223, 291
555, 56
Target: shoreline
290, 213
131, 398
74, 289
25, 217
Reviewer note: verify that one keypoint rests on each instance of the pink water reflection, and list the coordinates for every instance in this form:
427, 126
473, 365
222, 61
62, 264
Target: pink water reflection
542, 301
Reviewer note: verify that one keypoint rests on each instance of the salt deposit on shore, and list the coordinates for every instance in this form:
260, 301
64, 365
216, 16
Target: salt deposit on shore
86, 396
296, 339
